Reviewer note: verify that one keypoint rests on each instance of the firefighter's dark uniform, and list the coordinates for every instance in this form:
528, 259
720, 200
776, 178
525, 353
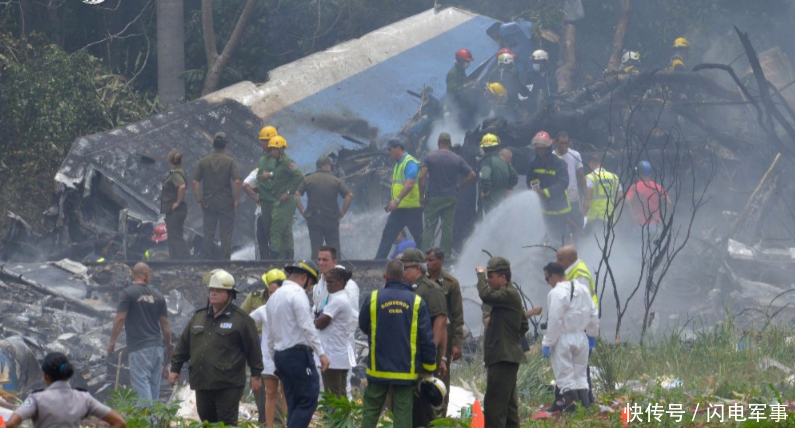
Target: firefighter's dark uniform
455, 326
322, 211
175, 218
158, 252
95, 258
287, 177
496, 177
502, 349
218, 350
391, 318
216, 172
554, 182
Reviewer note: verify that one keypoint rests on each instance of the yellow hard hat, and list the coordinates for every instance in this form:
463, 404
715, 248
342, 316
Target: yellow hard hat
497, 89
681, 42
267, 133
273, 275
490, 140
277, 142
222, 280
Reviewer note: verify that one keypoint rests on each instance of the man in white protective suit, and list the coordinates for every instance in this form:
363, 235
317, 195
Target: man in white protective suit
573, 318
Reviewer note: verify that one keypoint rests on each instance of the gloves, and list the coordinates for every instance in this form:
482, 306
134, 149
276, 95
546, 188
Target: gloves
545, 351
591, 342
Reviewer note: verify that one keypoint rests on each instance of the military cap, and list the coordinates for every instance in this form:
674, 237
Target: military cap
498, 263
413, 255
323, 160
445, 137
220, 136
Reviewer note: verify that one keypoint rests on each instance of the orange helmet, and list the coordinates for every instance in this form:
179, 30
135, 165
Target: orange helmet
542, 139
160, 234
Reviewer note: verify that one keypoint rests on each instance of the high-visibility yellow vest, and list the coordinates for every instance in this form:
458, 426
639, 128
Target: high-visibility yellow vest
412, 199
580, 270
605, 192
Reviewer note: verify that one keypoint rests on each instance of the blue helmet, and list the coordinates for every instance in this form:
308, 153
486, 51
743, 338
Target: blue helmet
644, 168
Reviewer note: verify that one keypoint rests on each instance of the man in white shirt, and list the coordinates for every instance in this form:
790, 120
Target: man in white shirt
335, 325
291, 341
574, 166
327, 260
260, 228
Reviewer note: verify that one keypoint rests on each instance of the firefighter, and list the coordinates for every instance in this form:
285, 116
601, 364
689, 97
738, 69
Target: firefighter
542, 80
287, 178
158, 252
505, 74
681, 49
602, 194
398, 326
101, 253
548, 176
496, 177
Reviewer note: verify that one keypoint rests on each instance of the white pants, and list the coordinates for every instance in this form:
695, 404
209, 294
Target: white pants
569, 359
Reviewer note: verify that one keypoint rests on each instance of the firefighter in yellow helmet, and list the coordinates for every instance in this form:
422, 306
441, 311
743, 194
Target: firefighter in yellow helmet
496, 177
262, 192
681, 48
277, 199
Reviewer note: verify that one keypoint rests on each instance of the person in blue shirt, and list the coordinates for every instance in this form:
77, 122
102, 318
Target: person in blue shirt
402, 243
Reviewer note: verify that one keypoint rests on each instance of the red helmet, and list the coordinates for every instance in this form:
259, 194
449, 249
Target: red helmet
505, 51
542, 139
464, 55
160, 234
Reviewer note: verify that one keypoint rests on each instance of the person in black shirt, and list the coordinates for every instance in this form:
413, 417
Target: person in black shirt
143, 313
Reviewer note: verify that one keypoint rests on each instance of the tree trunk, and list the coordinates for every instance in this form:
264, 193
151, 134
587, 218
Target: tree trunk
618, 38
568, 58
170, 52
215, 62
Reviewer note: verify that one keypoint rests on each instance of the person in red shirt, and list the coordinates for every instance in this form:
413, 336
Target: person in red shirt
647, 199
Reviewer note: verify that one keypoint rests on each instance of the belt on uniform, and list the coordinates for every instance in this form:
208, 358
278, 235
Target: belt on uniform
297, 348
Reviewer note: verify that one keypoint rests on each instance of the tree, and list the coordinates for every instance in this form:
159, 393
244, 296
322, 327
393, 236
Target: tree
216, 62
170, 51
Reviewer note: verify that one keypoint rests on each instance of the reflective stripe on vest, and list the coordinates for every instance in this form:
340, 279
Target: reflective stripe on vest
603, 198
580, 270
412, 199
373, 370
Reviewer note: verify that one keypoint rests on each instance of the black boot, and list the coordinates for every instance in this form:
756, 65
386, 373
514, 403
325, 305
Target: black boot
585, 399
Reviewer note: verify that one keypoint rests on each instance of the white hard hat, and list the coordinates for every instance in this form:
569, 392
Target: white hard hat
630, 56
506, 59
540, 55
222, 280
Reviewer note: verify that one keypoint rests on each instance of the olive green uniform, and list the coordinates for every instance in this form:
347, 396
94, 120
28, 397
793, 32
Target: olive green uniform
267, 199
218, 350
175, 219
323, 210
502, 353
455, 326
456, 79
287, 177
496, 178
216, 172
434, 298
254, 301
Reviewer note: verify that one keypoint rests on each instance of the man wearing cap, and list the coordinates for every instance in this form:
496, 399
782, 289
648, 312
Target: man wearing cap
440, 192
416, 274
292, 340
219, 179
323, 213
218, 342
404, 208
548, 176
502, 345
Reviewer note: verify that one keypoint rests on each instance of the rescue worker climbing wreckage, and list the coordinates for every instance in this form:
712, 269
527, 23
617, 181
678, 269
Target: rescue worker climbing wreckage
496, 177
505, 74
548, 176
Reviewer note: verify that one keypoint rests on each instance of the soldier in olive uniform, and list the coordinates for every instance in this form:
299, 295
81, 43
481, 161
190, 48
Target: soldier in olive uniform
497, 178
434, 258
503, 343
218, 342
323, 213
172, 204
265, 196
218, 198
433, 296
281, 178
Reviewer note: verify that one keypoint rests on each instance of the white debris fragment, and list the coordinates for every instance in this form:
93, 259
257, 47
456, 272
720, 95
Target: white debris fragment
460, 398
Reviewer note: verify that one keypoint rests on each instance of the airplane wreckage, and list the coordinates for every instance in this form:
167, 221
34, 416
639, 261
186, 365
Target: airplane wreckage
346, 104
